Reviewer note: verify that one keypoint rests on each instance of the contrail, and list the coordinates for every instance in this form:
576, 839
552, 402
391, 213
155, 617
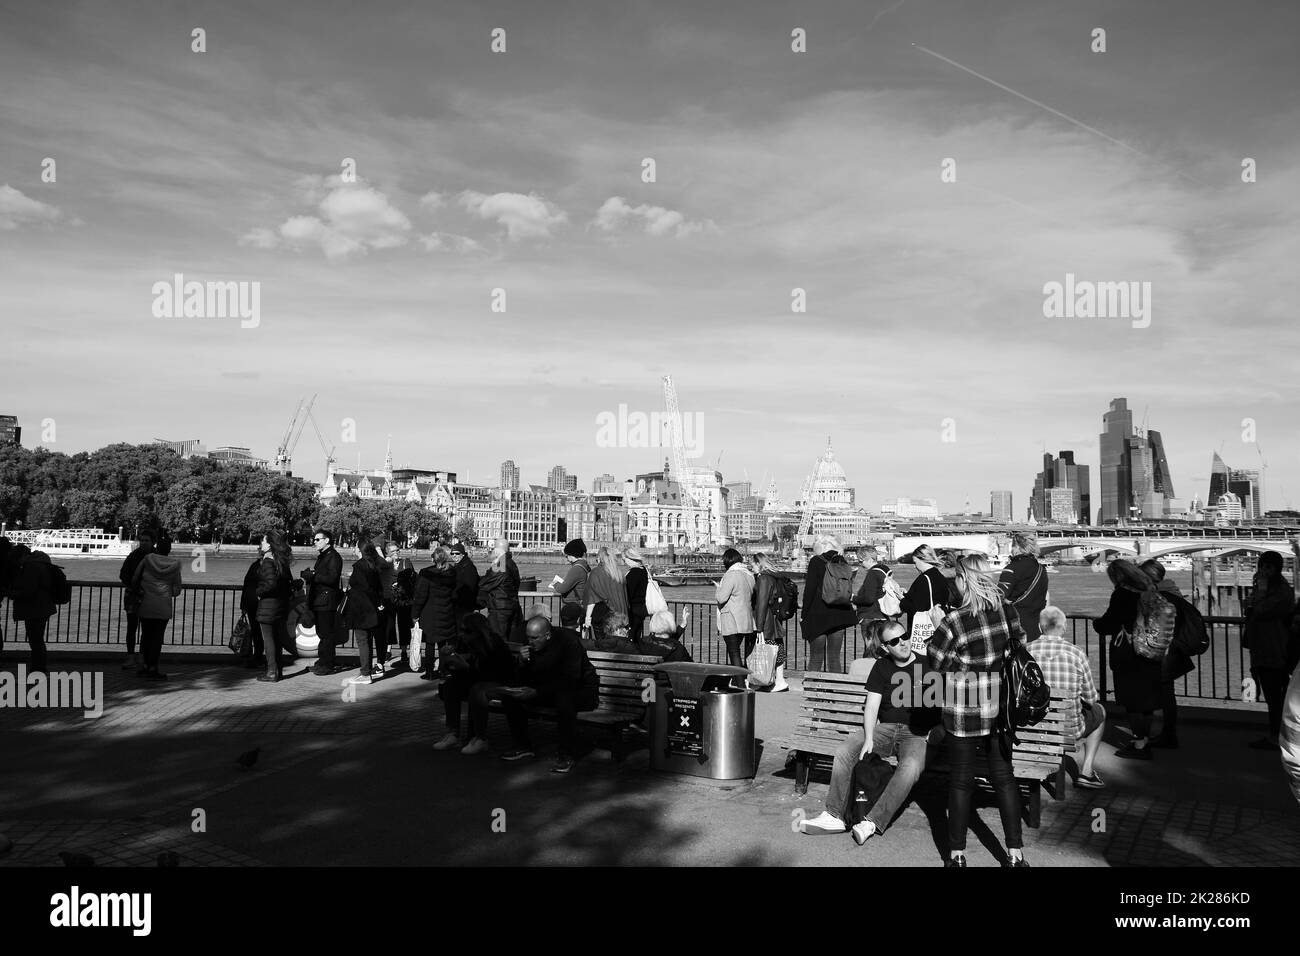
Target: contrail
1055, 112
883, 13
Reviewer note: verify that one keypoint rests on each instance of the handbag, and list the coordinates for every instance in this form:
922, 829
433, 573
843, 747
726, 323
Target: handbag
654, 598
923, 625
415, 651
241, 640
762, 663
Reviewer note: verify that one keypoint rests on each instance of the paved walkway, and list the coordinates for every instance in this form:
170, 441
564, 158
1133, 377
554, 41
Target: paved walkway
352, 783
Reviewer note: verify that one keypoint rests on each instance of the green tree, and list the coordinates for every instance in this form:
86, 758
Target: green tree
465, 532
45, 510
90, 508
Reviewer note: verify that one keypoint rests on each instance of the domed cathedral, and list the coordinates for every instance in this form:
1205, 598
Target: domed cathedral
830, 489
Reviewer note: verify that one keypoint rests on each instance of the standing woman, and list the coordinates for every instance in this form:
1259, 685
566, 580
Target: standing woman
636, 581
399, 601
158, 579
1266, 632
274, 580
33, 603
606, 592
131, 598
248, 608
1137, 679
823, 625
433, 606
500, 595
929, 589
735, 597
968, 648
773, 631
364, 601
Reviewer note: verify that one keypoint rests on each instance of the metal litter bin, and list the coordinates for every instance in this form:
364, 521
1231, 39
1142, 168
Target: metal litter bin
703, 722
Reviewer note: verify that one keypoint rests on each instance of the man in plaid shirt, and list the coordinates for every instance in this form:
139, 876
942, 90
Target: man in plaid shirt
1066, 670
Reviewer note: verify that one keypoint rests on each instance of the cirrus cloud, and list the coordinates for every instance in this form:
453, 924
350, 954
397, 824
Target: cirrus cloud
16, 209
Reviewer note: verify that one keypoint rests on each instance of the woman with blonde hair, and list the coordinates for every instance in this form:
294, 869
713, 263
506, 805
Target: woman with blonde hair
606, 592
968, 648
766, 580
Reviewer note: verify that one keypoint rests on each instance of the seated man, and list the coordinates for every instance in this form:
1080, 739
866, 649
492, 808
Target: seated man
893, 723
553, 672
614, 636
1065, 668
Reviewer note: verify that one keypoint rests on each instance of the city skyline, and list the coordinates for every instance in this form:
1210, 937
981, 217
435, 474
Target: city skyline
776, 171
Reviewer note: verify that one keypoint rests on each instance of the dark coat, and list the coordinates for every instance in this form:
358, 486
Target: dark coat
1137, 679
636, 581
432, 605
917, 598
562, 666
465, 597
817, 618
33, 589
130, 596
365, 594
1029, 599
867, 600
273, 591
763, 587
1267, 628
248, 593
500, 596
158, 579
324, 581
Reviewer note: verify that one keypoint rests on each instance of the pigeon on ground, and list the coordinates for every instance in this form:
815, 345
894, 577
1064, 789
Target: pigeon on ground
76, 859
169, 858
248, 758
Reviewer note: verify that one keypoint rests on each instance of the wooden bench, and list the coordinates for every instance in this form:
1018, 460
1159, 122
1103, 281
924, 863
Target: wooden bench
832, 709
622, 684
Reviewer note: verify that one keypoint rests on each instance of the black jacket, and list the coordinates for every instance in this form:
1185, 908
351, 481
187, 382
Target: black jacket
917, 598
1029, 599
365, 594
817, 617
273, 591
636, 581
324, 588
500, 596
465, 596
867, 600
248, 594
32, 589
561, 666
432, 604
130, 598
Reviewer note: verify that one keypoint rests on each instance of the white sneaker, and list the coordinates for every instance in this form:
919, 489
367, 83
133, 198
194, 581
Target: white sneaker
476, 746
864, 831
779, 687
822, 823
358, 679
447, 743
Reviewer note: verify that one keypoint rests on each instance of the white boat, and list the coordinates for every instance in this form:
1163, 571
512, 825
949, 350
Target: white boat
74, 542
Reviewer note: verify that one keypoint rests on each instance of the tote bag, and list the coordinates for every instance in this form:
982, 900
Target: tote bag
923, 623
654, 598
762, 663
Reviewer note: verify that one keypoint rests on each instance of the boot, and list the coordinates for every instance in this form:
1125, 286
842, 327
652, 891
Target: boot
779, 684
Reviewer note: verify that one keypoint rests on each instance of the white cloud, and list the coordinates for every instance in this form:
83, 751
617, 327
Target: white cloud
437, 241
615, 214
354, 218
433, 200
525, 217
17, 209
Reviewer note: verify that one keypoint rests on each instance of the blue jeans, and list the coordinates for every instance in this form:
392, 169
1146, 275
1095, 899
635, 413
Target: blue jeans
888, 740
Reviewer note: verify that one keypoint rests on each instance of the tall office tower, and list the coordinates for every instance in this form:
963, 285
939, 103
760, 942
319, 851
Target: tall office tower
1116, 463
557, 479
1047, 505
1244, 484
509, 476
1000, 506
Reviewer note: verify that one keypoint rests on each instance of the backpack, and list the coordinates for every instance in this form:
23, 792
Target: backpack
870, 777
837, 584
1153, 633
1026, 697
783, 601
1191, 636
61, 587
889, 601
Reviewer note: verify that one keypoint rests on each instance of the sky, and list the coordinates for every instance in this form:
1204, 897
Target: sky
924, 353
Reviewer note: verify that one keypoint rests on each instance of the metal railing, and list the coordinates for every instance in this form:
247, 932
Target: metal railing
205, 614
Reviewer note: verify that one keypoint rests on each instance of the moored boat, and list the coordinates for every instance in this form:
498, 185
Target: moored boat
74, 542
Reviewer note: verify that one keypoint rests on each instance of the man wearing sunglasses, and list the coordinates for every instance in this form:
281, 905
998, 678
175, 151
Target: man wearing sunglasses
894, 723
323, 596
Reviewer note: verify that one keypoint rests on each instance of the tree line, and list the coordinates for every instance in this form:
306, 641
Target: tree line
150, 487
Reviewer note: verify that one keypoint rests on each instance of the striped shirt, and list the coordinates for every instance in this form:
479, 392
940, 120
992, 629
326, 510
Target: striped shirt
970, 646
1066, 670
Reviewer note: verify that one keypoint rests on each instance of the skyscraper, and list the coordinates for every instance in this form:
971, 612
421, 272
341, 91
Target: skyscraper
1000, 506
1219, 476
11, 433
1116, 465
1048, 504
509, 476
1245, 485
559, 479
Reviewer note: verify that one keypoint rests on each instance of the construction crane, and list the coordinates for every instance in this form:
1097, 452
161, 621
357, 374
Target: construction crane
805, 519
328, 450
292, 434
678, 460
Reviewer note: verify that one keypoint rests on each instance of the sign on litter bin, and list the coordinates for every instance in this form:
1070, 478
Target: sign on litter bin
685, 730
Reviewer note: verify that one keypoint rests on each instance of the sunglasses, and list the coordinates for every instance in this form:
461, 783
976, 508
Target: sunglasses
897, 640
318, 538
